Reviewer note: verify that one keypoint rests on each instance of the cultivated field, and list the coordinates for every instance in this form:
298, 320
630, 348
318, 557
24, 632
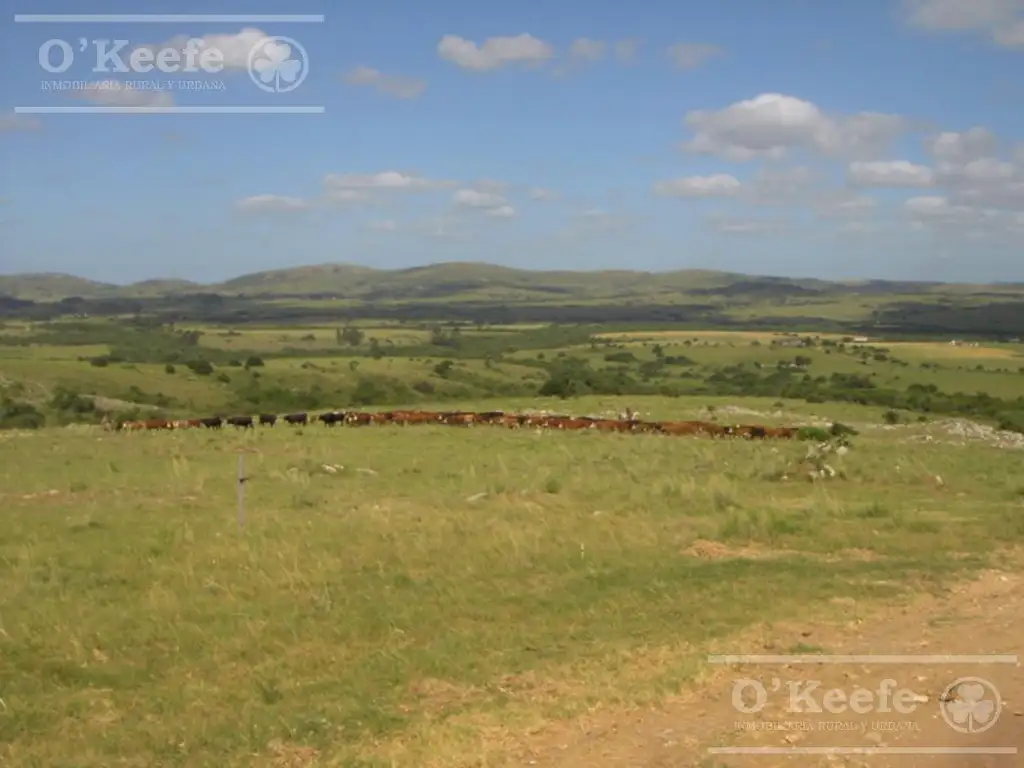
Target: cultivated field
437, 596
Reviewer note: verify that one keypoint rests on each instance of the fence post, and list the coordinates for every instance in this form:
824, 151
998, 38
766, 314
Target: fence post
241, 489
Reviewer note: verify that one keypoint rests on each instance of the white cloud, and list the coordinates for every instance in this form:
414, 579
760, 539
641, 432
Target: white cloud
384, 225
741, 225
954, 147
687, 56
543, 195
1002, 20
980, 171
587, 50
890, 173
394, 85
12, 121
234, 49
718, 185
267, 203
502, 212
968, 167
489, 203
472, 198
384, 181
949, 219
495, 52
938, 209
773, 124
626, 49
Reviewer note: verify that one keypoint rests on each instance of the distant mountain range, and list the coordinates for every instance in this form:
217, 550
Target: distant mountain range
482, 282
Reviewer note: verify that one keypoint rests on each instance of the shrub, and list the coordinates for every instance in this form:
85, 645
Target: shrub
200, 367
17, 415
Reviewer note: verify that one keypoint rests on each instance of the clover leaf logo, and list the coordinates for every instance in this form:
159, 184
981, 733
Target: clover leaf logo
970, 705
274, 68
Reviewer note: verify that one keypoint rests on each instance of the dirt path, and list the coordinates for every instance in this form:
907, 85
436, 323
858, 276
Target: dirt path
983, 617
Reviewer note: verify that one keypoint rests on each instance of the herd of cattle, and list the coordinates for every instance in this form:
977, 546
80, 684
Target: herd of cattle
629, 423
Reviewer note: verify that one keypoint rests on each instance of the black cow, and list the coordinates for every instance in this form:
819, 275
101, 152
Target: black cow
297, 418
243, 422
267, 419
215, 422
332, 417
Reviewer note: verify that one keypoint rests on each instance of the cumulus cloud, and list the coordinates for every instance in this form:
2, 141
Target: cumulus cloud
1001, 20
953, 147
968, 167
718, 185
384, 181
494, 52
502, 212
491, 203
473, 198
945, 217
687, 56
890, 173
541, 194
268, 203
772, 124
234, 49
394, 85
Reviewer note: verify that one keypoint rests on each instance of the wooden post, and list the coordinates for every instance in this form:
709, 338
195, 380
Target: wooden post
241, 489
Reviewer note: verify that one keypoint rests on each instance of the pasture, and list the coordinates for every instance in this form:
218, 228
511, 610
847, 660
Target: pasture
429, 595
449, 597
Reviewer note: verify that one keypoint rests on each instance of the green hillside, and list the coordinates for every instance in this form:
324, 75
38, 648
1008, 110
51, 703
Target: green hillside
488, 282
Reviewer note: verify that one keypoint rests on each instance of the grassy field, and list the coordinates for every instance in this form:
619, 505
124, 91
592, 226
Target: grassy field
431, 596
419, 596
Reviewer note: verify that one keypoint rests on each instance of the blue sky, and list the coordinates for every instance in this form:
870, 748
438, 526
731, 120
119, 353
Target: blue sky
877, 138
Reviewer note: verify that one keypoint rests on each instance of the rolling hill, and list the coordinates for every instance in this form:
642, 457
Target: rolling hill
473, 281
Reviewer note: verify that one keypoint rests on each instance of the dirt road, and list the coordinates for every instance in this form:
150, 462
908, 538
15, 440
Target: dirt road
983, 617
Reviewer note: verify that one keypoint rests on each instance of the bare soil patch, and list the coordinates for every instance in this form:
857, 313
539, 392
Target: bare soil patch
985, 616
